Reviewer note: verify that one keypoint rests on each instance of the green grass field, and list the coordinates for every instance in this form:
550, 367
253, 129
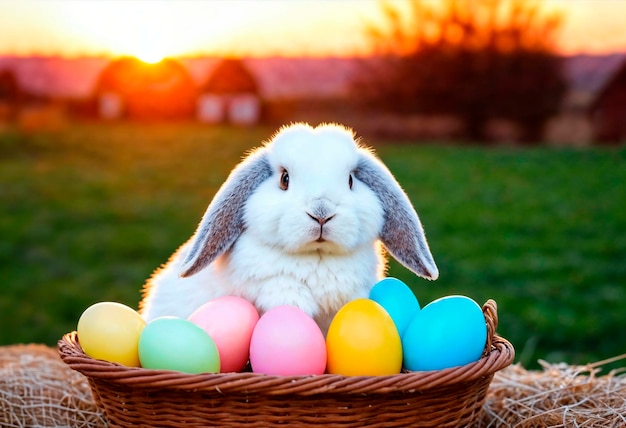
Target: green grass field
88, 213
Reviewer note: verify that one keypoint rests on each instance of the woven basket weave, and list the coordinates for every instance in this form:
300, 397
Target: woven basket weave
159, 398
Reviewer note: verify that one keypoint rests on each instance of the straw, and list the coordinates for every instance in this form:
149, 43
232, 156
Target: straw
38, 390
559, 395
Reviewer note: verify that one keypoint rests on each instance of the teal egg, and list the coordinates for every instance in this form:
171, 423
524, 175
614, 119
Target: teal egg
448, 332
398, 300
170, 343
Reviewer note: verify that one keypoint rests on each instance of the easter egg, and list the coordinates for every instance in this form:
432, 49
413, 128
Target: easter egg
448, 332
362, 340
398, 300
110, 331
170, 343
229, 320
287, 342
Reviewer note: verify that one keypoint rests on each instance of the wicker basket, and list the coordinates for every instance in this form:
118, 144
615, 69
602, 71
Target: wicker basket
444, 398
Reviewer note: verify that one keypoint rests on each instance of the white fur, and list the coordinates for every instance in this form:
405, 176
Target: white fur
277, 258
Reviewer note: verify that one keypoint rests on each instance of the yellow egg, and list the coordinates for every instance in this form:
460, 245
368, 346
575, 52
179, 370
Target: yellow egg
110, 331
362, 340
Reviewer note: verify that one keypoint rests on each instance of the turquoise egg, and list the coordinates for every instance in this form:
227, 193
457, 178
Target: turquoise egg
448, 332
398, 300
170, 343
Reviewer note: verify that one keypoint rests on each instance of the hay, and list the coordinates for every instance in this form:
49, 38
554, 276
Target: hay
38, 390
560, 395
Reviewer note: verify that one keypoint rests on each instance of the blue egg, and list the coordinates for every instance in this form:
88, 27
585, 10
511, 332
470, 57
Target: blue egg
448, 332
398, 300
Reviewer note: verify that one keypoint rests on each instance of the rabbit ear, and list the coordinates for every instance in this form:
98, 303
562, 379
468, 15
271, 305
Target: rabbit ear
402, 232
223, 221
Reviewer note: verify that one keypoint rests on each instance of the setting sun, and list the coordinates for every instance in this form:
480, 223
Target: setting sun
150, 57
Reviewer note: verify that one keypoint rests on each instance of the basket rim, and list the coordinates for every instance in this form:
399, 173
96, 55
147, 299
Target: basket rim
499, 353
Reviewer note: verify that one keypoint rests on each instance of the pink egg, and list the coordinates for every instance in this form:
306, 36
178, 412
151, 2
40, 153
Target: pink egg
229, 320
287, 342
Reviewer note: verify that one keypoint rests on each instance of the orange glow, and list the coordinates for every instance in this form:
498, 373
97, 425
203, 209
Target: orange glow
149, 91
154, 29
591, 26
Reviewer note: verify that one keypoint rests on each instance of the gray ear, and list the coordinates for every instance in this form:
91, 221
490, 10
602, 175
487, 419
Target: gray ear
402, 232
222, 222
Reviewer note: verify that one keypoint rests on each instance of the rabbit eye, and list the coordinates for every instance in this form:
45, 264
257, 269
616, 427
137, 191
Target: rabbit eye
284, 180
350, 181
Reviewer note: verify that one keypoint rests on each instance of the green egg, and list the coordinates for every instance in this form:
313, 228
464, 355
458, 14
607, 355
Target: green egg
170, 343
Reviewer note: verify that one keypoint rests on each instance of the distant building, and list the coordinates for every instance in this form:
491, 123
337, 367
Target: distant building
30, 112
10, 95
594, 109
129, 88
215, 90
608, 109
230, 95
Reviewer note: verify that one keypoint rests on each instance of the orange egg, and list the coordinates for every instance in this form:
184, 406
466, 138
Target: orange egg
362, 340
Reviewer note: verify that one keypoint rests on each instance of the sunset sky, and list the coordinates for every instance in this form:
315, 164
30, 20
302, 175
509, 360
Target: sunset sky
153, 29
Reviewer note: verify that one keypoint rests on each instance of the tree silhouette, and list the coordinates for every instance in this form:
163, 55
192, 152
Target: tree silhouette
476, 60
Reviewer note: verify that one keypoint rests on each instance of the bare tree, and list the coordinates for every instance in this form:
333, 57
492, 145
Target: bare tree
476, 59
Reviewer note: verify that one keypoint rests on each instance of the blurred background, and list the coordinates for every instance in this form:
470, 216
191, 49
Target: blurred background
504, 120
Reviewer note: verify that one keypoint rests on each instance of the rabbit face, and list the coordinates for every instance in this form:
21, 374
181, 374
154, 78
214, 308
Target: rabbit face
313, 203
301, 220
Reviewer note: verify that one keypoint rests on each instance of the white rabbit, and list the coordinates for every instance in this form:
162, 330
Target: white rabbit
299, 221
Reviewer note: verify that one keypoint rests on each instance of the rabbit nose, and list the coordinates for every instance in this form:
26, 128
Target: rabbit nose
322, 220
321, 211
